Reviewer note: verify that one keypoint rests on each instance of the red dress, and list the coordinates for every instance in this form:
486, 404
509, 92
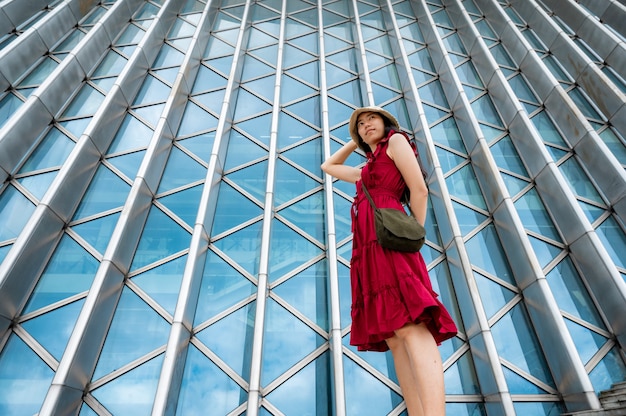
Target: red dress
389, 288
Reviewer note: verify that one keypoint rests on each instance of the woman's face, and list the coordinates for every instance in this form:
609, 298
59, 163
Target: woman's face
371, 128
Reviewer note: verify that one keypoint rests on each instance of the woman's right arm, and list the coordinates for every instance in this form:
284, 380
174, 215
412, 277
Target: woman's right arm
334, 165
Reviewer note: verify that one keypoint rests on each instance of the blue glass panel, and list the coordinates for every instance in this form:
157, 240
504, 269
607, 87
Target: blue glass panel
70, 271
38, 185
254, 68
365, 394
22, 395
293, 56
53, 329
538, 408
467, 218
131, 35
4, 250
506, 156
463, 184
331, 43
534, 215
129, 163
592, 212
544, 251
308, 155
286, 341
292, 130
243, 247
382, 362
447, 159
586, 341
609, 371
207, 79
163, 282
70, 41
467, 74
85, 410
98, 232
579, 181
222, 287
150, 114
290, 183
614, 240
132, 134
132, 393
513, 185
517, 344
484, 110
111, 65
201, 145
106, 191
547, 130
258, 127
86, 102
521, 89
180, 170
184, 203
181, 29
491, 133
232, 209
433, 114
195, 119
460, 378
222, 65
557, 154
307, 292
308, 215
465, 409
486, 252
583, 104
42, 71
52, 151
288, 250
161, 237
168, 75
76, 127
307, 392
291, 89
212, 100
520, 385
343, 222
433, 93
615, 145
345, 295
136, 330
308, 42
152, 91
309, 72
204, 383
231, 339
168, 56
241, 150
8, 105
252, 179
493, 295
447, 133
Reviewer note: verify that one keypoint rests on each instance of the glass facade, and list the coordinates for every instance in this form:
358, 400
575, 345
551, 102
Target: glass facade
170, 245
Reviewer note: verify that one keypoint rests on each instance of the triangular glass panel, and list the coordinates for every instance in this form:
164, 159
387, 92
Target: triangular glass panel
128, 164
263, 87
51, 152
422, 61
163, 282
258, 127
226, 21
232, 209
180, 170
168, 75
201, 145
344, 60
194, 120
254, 68
286, 341
456, 59
291, 89
592, 212
308, 72
467, 75
519, 385
152, 91
103, 183
181, 29
453, 43
348, 92
433, 93
308, 156
290, 183
132, 134
308, 292
248, 105
142, 379
338, 112
15, 211
76, 127
97, 233
557, 154
487, 241
258, 38
221, 288
491, 133
308, 109
530, 108
460, 378
307, 42
513, 185
4, 250
63, 276
421, 77
484, 110
366, 394
381, 362
181, 44
506, 156
292, 130
184, 203
221, 65
252, 179
161, 237
338, 7
467, 218
343, 223
168, 56
587, 342
53, 329
388, 76
433, 114
608, 371
294, 56
463, 184
547, 130
295, 28
448, 160
218, 47
202, 378
241, 150
472, 92
150, 114
372, 33
288, 250
493, 295
383, 94
302, 391
231, 339
308, 215
86, 102
447, 133
244, 247
136, 330
27, 377
38, 185
267, 53
332, 44
534, 216
521, 89
212, 100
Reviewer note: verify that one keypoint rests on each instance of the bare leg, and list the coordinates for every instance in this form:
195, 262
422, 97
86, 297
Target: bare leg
419, 368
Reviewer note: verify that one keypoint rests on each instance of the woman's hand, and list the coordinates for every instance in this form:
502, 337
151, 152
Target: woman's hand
335, 167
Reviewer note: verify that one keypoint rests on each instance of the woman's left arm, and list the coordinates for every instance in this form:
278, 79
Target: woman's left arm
401, 152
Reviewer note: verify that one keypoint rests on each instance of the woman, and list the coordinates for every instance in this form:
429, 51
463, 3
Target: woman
393, 304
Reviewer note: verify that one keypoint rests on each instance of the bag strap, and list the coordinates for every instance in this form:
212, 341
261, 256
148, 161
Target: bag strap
367, 194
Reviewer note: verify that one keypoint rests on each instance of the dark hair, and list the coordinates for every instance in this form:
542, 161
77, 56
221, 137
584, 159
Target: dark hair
388, 127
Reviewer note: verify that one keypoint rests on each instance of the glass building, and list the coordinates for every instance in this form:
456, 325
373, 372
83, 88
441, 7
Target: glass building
170, 245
